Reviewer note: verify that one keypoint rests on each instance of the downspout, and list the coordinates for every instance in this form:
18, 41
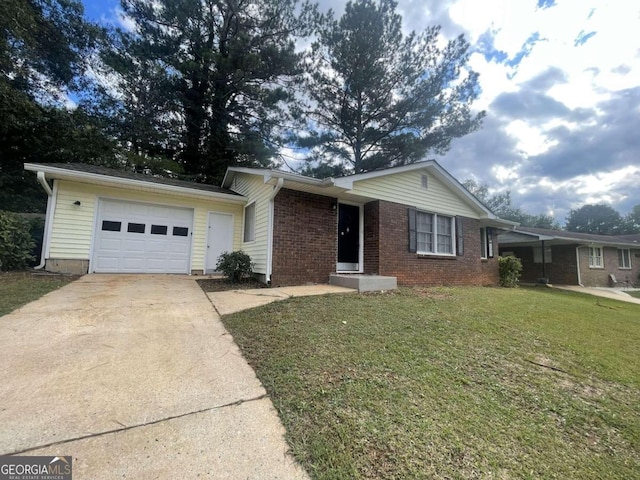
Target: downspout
43, 182
578, 265
272, 196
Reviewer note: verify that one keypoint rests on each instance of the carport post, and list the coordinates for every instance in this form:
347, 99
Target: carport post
544, 272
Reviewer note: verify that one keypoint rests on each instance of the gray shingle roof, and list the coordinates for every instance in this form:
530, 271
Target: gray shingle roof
111, 172
582, 237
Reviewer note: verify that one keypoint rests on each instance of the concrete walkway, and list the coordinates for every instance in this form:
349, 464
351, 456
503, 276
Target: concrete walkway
611, 293
135, 377
237, 300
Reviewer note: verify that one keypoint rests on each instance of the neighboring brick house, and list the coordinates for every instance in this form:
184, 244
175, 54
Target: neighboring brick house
569, 258
415, 222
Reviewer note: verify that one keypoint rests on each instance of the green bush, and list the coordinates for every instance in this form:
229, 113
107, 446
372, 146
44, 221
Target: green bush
236, 266
510, 268
36, 230
16, 243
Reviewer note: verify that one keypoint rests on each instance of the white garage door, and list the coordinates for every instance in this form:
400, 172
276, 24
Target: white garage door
142, 238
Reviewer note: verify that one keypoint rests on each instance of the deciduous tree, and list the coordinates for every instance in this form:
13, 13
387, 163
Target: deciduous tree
599, 219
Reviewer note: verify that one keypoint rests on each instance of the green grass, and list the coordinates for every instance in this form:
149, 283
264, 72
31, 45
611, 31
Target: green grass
20, 288
634, 293
453, 382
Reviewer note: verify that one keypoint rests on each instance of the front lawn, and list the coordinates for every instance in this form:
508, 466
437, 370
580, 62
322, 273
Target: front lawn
634, 293
19, 288
453, 382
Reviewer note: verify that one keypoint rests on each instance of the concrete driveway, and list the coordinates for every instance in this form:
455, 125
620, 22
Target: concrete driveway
135, 377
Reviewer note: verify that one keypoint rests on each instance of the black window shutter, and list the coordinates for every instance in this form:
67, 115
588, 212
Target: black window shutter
459, 237
413, 240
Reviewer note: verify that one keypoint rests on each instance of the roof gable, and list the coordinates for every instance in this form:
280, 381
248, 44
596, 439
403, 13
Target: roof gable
362, 187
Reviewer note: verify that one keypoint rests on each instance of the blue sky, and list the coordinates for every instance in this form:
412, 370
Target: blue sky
561, 86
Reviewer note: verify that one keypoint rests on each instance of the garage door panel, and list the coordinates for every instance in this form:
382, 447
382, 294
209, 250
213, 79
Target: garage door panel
151, 238
110, 244
108, 263
155, 246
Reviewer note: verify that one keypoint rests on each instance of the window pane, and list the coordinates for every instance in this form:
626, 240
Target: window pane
595, 257
249, 223
180, 231
483, 243
135, 227
445, 239
624, 258
424, 232
109, 226
158, 229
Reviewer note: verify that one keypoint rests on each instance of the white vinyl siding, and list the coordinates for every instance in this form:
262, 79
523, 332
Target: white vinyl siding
254, 188
407, 188
434, 234
624, 258
596, 260
73, 226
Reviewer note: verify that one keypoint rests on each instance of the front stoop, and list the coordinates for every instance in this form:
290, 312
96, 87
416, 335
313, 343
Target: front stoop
364, 283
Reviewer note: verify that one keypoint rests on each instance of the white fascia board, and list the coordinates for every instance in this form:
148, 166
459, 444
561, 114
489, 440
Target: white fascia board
297, 178
66, 174
231, 172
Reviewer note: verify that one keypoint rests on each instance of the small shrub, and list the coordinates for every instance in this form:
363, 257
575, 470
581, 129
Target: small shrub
36, 229
510, 268
16, 243
236, 266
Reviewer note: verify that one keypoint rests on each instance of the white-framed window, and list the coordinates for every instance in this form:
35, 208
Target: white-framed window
434, 234
596, 260
624, 258
486, 243
249, 223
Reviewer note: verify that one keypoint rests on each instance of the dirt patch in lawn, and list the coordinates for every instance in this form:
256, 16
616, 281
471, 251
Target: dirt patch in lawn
223, 285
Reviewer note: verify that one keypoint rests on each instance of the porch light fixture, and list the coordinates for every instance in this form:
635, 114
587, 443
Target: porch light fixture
77, 203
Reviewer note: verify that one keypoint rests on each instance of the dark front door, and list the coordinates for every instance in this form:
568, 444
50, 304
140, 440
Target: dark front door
348, 237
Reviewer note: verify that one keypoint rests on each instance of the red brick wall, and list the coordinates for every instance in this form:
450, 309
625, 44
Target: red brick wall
394, 259
304, 238
561, 270
599, 277
372, 238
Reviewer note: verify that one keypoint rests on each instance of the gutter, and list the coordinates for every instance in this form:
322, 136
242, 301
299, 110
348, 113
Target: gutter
129, 182
272, 196
47, 219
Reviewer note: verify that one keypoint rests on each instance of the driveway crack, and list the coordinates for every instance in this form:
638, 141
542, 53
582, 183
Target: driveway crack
139, 425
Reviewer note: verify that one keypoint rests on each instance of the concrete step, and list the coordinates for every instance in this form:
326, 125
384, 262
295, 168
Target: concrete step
363, 283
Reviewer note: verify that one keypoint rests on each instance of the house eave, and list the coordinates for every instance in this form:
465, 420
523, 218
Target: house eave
100, 179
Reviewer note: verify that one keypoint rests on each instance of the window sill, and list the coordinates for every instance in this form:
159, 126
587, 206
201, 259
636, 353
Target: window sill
436, 256
625, 268
596, 268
